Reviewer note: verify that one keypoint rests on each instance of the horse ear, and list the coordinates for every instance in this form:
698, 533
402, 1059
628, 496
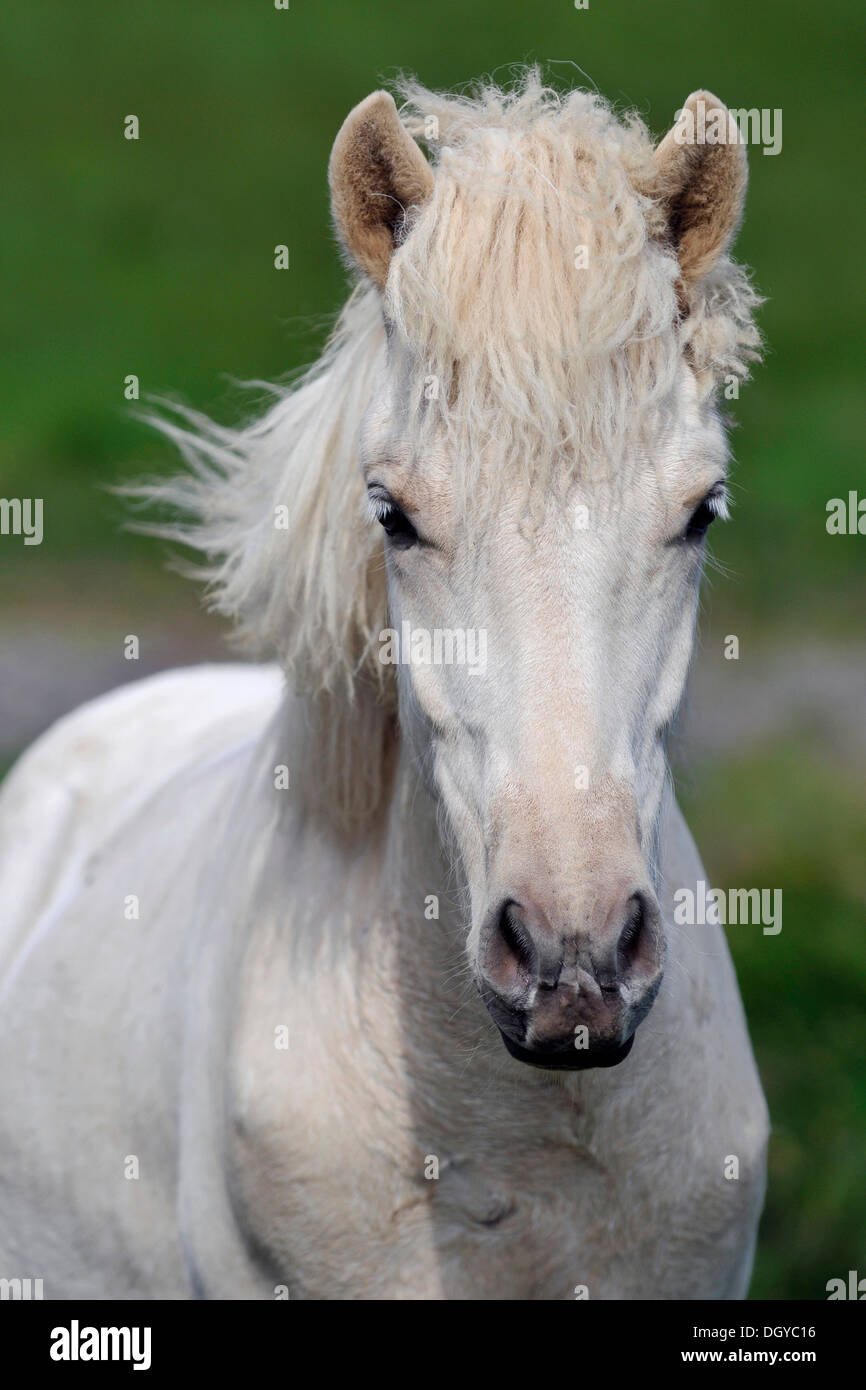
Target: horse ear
702, 176
377, 173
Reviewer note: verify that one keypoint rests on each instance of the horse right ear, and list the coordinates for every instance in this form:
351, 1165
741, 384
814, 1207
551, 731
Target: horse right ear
376, 173
702, 174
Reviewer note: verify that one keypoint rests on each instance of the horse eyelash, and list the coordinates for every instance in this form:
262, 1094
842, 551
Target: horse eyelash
378, 508
719, 503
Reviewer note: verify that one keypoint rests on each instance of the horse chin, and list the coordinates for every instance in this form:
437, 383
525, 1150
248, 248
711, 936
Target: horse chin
572, 1058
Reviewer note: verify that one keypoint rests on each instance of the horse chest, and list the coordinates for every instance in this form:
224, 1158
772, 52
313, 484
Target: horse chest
375, 1195
381, 1167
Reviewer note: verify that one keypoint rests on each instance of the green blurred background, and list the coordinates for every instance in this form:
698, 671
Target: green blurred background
155, 257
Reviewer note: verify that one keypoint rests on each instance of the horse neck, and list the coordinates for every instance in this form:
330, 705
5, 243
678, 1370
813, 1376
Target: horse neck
424, 927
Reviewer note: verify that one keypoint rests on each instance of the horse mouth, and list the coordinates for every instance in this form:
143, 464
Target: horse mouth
572, 1058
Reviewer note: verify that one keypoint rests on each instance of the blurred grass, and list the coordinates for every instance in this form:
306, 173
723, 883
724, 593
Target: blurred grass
156, 258
781, 818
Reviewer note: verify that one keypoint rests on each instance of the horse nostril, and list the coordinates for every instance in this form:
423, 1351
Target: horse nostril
514, 935
511, 957
633, 945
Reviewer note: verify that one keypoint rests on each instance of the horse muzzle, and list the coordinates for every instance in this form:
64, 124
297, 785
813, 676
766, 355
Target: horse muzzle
570, 1001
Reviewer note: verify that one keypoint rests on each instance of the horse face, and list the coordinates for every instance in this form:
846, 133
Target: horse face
542, 608
540, 658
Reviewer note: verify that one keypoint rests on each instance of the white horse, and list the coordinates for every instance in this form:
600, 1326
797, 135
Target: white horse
328, 986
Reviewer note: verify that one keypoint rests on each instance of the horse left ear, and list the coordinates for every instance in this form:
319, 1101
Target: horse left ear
702, 175
377, 173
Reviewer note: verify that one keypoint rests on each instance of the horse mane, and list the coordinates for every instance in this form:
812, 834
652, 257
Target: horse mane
534, 362
541, 364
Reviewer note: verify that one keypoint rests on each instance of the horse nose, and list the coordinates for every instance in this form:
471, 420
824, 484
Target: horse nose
561, 990
616, 941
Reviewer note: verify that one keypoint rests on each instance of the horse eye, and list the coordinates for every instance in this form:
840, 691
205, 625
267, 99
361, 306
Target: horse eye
712, 506
699, 521
396, 524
